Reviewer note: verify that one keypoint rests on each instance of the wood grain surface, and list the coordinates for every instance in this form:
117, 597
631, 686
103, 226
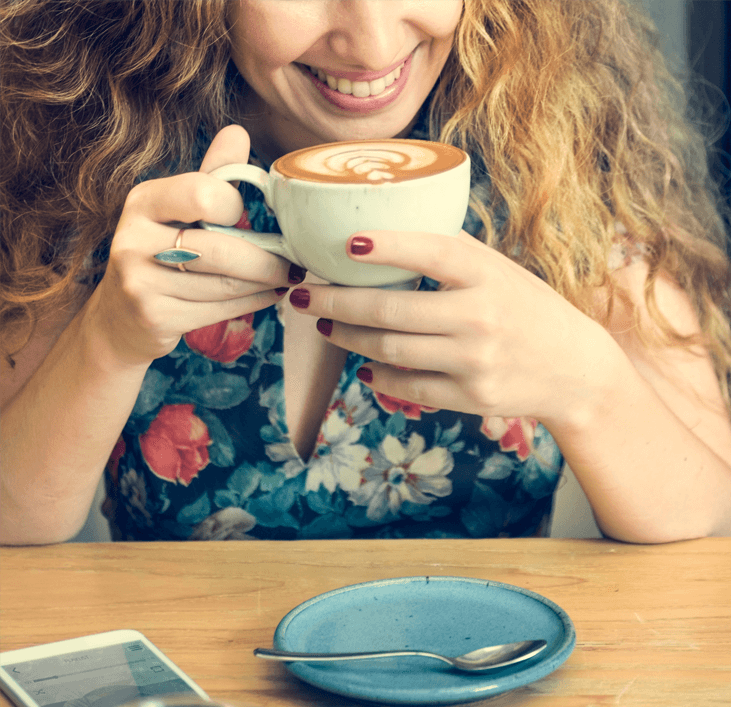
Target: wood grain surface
653, 622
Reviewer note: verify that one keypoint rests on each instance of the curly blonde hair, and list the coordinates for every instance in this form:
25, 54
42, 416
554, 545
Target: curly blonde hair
93, 95
583, 131
567, 105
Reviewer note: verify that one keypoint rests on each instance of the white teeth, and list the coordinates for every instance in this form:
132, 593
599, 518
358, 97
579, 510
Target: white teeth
359, 89
377, 86
345, 86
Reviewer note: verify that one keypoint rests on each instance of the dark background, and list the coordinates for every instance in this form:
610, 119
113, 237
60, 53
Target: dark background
707, 39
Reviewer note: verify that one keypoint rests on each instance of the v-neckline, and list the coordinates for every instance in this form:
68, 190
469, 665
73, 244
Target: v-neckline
312, 368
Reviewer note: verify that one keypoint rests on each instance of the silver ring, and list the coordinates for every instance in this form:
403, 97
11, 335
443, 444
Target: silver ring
177, 255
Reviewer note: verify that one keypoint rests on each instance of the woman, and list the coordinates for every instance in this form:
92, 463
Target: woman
582, 314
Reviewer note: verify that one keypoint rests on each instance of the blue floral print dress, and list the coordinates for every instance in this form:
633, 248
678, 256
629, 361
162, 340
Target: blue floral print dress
206, 454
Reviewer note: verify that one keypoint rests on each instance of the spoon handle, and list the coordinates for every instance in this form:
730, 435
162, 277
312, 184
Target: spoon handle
293, 656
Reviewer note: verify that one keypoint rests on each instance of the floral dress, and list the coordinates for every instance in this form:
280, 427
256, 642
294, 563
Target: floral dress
206, 455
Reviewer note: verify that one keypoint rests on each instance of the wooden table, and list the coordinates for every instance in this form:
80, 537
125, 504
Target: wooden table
653, 622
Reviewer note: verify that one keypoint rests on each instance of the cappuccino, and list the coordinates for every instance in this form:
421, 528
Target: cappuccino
322, 195
369, 161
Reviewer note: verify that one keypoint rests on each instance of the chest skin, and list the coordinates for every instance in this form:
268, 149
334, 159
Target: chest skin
312, 368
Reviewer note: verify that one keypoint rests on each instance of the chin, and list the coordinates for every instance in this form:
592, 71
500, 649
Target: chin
374, 130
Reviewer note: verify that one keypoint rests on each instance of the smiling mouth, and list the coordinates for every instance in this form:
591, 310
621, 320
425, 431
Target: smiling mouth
358, 89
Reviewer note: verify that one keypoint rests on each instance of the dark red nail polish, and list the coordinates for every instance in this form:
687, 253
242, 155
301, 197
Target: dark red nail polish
365, 374
296, 274
300, 298
360, 245
325, 326
281, 290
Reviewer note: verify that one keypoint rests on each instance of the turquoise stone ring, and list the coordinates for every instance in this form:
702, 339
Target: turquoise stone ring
177, 255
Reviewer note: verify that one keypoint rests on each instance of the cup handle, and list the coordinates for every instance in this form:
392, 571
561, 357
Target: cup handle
271, 242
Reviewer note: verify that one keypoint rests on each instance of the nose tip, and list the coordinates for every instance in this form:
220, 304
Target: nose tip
368, 35
367, 54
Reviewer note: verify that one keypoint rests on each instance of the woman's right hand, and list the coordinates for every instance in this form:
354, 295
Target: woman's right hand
142, 307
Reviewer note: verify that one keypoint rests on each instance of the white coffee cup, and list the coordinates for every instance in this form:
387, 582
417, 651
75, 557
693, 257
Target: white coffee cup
322, 195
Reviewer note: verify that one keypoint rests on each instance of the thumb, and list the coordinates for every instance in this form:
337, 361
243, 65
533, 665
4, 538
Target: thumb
230, 146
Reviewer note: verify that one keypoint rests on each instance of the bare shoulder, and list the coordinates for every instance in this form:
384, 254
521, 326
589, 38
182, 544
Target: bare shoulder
672, 300
32, 354
630, 315
684, 377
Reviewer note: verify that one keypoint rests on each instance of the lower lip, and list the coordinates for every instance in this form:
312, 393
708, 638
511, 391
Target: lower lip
351, 104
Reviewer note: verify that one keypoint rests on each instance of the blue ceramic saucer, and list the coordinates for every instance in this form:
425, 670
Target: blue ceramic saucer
447, 615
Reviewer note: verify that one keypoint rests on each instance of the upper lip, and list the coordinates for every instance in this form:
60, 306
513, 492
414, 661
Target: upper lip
362, 75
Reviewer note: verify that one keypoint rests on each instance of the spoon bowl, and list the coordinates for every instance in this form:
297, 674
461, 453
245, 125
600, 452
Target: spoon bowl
477, 661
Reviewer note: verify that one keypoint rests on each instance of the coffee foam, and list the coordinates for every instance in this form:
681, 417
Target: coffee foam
369, 161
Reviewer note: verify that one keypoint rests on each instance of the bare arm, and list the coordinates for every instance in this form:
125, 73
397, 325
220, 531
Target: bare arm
644, 429
63, 408
653, 450
76, 382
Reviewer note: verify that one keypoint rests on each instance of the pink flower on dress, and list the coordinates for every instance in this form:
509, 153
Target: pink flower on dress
411, 410
175, 445
244, 222
515, 434
225, 341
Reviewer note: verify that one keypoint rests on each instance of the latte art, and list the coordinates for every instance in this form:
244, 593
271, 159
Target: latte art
373, 164
369, 161
322, 195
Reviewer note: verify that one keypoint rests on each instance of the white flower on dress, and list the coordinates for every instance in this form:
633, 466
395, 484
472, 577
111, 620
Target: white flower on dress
337, 461
285, 452
227, 524
352, 409
356, 408
403, 473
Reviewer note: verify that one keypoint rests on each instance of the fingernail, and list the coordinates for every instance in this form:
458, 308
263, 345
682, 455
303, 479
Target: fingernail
365, 374
325, 326
300, 298
281, 290
360, 245
296, 274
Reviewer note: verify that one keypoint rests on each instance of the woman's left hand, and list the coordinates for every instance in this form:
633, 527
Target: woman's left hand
494, 340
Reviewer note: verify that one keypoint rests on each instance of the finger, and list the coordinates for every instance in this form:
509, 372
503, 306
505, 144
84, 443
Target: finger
450, 260
428, 388
202, 287
227, 267
229, 256
230, 146
186, 198
145, 276
423, 352
218, 253
201, 314
438, 313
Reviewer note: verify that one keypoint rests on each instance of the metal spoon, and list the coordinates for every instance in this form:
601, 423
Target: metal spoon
487, 658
